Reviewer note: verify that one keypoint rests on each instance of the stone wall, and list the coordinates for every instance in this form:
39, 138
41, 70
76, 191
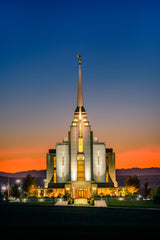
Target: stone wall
99, 162
110, 159
62, 162
49, 172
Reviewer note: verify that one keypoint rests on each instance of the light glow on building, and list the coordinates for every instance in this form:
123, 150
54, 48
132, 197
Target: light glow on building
81, 164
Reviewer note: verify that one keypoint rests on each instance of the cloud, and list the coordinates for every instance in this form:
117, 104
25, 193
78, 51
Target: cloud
145, 157
23, 159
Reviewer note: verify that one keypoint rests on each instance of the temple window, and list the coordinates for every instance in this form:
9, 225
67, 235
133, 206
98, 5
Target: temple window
98, 176
98, 160
54, 162
80, 145
54, 175
80, 169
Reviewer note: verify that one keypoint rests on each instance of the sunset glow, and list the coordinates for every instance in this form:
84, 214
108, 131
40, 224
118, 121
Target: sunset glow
119, 45
142, 158
35, 159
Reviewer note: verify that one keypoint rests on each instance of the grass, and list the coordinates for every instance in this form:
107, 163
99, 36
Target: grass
133, 203
117, 203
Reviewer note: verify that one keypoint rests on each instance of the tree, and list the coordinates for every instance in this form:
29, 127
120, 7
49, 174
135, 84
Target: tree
1, 195
14, 191
132, 184
156, 197
146, 191
29, 184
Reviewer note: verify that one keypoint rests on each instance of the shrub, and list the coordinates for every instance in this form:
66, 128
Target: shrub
156, 196
91, 202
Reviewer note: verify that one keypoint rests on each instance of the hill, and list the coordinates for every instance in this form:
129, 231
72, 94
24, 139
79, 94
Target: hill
150, 175
39, 176
35, 173
124, 172
138, 171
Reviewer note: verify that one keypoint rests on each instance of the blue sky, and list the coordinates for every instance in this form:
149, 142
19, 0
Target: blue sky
119, 42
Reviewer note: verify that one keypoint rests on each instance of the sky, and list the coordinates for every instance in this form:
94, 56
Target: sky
119, 42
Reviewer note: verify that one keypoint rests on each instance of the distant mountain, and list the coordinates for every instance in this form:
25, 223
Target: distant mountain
138, 171
150, 175
39, 176
35, 173
124, 172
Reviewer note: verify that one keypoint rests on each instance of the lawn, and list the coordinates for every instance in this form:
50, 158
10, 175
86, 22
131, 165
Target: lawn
133, 203
118, 203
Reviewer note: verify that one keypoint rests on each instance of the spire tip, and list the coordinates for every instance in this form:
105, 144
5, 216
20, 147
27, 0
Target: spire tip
79, 58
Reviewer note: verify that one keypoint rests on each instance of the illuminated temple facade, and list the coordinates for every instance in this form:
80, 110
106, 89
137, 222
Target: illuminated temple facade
80, 165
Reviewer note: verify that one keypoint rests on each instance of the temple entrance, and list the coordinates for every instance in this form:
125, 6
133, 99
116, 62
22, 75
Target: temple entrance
80, 189
80, 193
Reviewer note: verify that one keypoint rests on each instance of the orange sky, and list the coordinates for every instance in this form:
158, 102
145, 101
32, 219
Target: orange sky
143, 158
15, 160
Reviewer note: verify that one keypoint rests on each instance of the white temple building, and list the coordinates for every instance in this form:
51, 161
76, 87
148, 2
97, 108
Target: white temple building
80, 165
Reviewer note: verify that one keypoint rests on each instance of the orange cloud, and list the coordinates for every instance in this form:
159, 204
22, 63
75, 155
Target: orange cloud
23, 164
23, 159
145, 157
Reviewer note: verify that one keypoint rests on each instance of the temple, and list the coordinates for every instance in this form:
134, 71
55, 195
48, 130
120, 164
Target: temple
80, 166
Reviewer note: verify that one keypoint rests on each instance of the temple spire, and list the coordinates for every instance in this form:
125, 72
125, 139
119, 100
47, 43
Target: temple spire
80, 94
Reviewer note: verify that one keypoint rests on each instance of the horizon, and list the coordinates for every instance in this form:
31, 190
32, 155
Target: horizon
45, 170
119, 45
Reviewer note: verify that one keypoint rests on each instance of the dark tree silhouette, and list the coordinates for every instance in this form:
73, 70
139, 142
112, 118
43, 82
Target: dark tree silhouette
29, 182
14, 191
146, 191
156, 197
